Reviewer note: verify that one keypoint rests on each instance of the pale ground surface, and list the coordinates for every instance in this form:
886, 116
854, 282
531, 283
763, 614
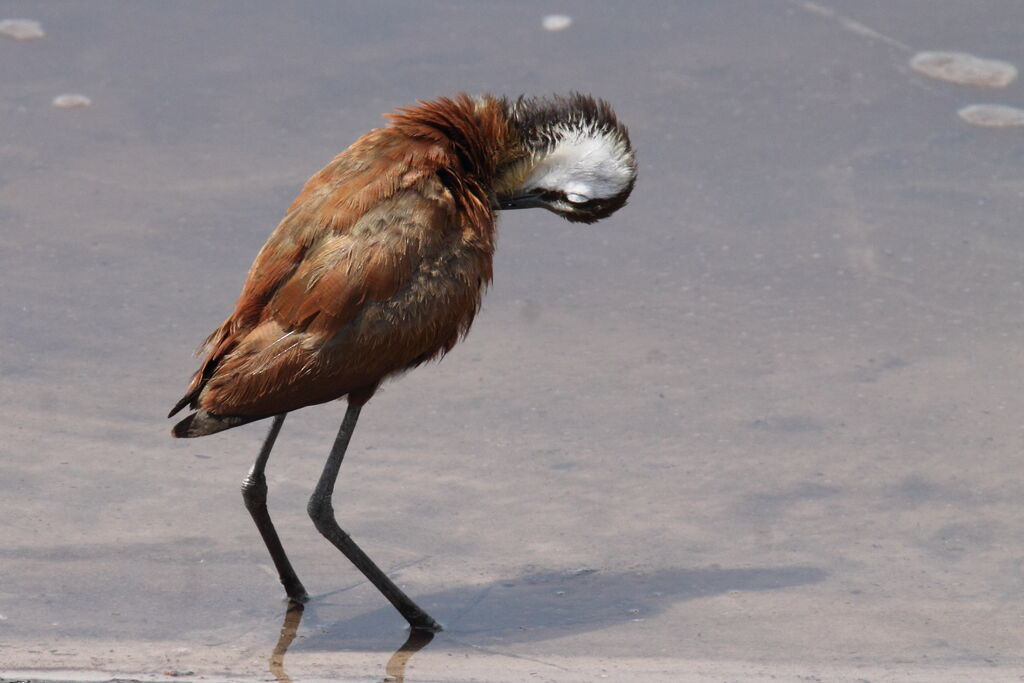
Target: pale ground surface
765, 424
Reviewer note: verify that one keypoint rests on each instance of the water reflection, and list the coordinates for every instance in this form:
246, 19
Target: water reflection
417, 640
292, 619
394, 669
533, 606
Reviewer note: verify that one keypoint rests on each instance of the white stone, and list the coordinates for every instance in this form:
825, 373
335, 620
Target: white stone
71, 101
21, 29
992, 115
964, 69
557, 22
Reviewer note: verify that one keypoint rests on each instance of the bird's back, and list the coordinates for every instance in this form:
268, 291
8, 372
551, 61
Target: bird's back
378, 265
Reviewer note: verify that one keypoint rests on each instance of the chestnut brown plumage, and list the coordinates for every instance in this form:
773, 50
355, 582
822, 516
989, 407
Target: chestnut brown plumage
380, 264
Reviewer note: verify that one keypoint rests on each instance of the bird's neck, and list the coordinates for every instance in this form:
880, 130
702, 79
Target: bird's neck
476, 130
477, 139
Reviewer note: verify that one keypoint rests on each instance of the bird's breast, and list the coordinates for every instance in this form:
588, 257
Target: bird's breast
426, 316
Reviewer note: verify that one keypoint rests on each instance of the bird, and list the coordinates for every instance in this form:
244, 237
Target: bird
379, 265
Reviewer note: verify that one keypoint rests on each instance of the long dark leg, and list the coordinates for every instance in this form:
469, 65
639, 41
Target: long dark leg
322, 512
254, 493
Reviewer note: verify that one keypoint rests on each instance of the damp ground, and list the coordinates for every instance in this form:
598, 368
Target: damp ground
764, 424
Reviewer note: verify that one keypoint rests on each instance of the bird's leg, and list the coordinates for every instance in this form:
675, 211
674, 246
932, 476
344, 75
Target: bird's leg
322, 513
254, 493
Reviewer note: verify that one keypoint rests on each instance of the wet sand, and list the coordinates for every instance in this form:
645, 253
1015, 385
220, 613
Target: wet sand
762, 424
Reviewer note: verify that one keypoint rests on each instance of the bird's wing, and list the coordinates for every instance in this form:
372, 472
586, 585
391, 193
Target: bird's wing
339, 246
308, 344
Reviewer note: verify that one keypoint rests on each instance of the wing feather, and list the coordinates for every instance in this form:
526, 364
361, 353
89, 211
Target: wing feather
339, 246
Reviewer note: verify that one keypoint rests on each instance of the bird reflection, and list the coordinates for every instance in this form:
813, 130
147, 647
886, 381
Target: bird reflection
395, 668
292, 618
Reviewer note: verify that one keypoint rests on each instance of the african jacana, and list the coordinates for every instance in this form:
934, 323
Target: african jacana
379, 265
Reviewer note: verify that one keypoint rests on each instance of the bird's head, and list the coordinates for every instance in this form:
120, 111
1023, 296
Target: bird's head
573, 157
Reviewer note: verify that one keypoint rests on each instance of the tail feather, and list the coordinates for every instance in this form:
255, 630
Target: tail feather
185, 400
201, 423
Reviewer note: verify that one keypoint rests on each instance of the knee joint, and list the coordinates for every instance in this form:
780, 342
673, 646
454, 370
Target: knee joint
254, 490
320, 511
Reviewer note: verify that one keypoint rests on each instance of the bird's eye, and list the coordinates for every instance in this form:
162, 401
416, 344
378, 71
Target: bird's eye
577, 198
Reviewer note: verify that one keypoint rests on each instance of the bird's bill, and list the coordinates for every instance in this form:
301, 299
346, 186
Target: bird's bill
526, 201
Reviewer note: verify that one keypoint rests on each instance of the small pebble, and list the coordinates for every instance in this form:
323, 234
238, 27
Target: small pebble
21, 29
71, 101
992, 115
557, 22
964, 69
